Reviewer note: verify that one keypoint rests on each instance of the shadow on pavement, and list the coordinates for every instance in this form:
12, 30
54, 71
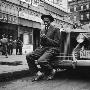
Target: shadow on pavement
15, 63
74, 75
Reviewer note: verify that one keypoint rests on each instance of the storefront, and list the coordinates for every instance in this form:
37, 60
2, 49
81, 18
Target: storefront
27, 30
8, 25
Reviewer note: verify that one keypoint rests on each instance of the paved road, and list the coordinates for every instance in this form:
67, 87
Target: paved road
13, 63
67, 80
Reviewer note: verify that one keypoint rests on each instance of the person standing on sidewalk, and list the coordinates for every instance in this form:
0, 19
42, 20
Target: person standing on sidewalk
4, 42
39, 60
10, 46
19, 45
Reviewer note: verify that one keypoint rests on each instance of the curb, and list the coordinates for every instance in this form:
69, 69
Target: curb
14, 75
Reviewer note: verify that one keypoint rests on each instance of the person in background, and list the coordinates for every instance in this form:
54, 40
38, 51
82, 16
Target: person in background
4, 43
10, 46
39, 59
19, 45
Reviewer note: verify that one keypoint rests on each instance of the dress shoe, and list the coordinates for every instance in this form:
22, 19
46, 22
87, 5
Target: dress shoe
39, 75
51, 75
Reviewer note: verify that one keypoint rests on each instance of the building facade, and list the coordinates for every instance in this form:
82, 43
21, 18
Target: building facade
60, 14
80, 11
22, 18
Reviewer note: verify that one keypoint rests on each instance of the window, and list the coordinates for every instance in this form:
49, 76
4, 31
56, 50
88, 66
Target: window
81, 7
87, 15
81, 17
75, 8
87, 6
74, 18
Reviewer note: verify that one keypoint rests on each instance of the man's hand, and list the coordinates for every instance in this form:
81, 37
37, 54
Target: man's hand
43, 39
43, 36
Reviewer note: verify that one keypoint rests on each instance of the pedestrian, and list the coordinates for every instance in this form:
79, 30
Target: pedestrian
4, 42
39, 60
10, 45
19, 45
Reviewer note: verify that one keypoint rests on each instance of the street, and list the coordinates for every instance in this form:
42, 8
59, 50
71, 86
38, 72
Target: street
65, 80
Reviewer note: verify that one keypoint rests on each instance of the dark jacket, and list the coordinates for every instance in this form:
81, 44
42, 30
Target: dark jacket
52, 38
19, 43
10, 42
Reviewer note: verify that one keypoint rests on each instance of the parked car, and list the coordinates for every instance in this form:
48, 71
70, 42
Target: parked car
75, 50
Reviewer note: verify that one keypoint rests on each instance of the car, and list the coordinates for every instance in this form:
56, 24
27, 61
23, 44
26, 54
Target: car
74, 50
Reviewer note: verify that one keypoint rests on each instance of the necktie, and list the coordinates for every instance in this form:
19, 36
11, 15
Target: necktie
46, 29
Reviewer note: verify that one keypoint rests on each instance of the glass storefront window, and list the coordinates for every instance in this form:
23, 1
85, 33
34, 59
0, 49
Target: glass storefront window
26, 38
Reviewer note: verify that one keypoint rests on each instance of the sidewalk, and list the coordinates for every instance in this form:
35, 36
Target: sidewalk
13, 66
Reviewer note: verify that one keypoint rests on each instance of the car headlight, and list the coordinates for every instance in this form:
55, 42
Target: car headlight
80, 40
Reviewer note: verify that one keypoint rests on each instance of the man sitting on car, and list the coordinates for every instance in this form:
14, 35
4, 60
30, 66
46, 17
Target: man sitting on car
49, 48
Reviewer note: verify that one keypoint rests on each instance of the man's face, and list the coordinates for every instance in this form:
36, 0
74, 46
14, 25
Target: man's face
46, 21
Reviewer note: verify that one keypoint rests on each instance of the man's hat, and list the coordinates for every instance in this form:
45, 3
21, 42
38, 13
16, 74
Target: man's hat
47, 16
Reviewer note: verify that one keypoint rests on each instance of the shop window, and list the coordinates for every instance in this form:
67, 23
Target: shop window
81, 17
30, 38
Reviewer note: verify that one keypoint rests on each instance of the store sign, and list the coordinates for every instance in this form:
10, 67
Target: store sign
3, 17
12, 19
33, 2
29, 17
85, 54
15, 20
8, 18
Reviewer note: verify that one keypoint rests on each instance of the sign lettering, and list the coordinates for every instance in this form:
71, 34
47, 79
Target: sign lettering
85, 54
